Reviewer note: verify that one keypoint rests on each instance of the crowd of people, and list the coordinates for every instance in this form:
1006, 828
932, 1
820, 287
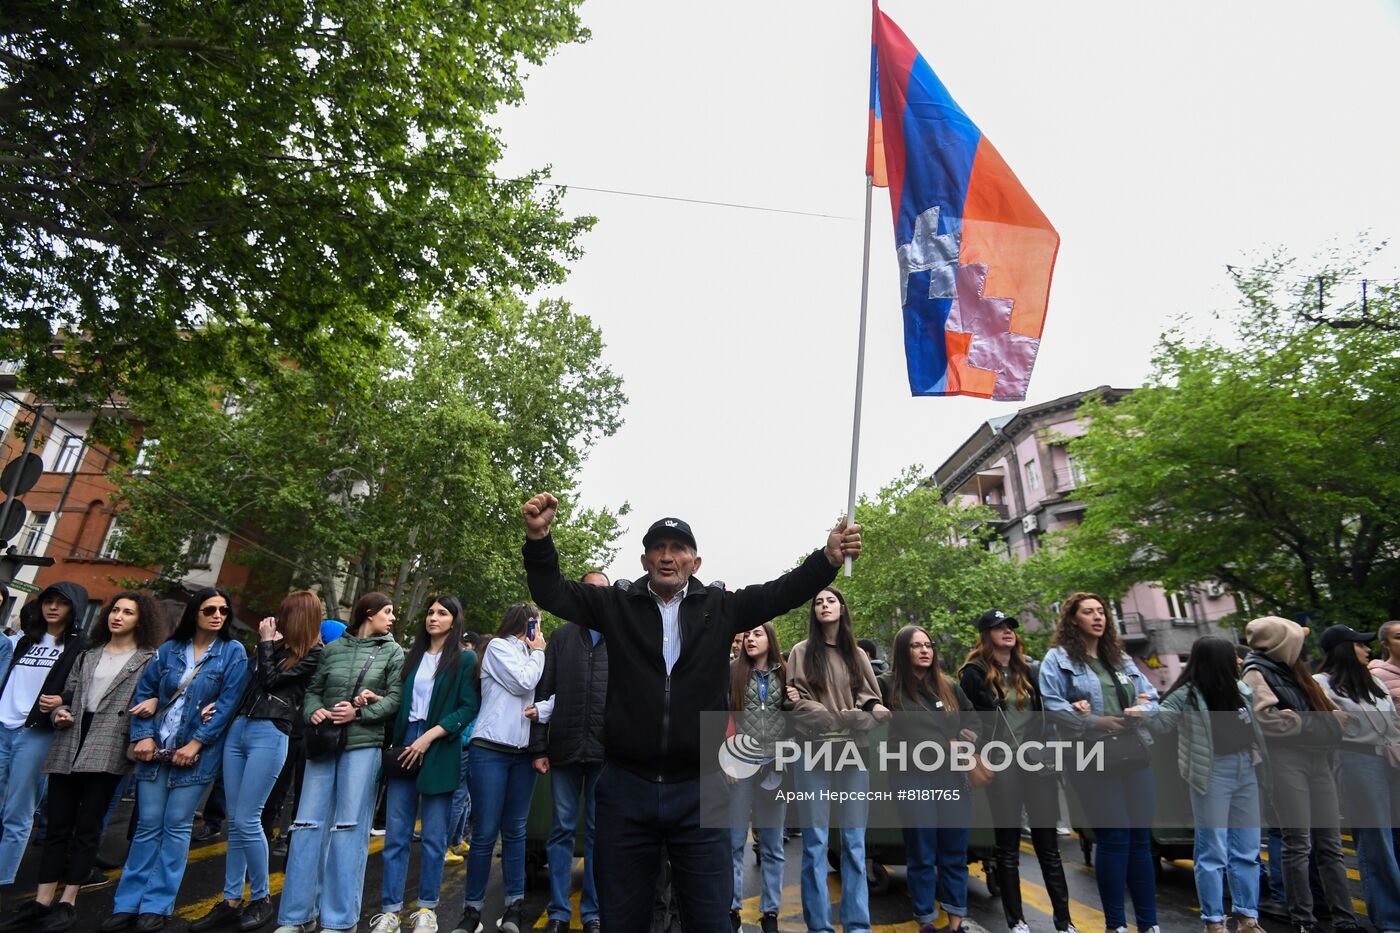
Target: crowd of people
451, 735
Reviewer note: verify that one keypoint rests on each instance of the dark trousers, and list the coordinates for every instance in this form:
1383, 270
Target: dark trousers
637, 820
1038, 794
77, 808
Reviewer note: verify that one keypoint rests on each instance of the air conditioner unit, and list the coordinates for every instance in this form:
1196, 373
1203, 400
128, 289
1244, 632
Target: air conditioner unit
1215, 589
1030, 524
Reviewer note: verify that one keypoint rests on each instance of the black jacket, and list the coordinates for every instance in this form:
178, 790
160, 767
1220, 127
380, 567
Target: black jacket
71, 646
987, 697
653, 719
275, 694
576, 675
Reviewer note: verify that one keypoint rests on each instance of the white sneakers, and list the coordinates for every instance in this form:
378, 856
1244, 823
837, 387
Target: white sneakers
423, 920
1021, 927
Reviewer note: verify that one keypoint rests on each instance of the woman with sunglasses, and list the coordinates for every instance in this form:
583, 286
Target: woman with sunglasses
500, 778
177, 753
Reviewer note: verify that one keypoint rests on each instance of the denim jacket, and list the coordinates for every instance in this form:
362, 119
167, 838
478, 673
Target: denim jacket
1064, 680
221, 681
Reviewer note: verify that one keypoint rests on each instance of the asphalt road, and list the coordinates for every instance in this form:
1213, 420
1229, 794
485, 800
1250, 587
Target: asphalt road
889, 908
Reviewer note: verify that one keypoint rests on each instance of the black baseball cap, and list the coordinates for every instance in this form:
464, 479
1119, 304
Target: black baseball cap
1338, 634
994, 617
669, 528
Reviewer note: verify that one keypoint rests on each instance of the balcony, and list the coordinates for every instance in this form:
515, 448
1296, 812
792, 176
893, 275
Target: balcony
1000, 509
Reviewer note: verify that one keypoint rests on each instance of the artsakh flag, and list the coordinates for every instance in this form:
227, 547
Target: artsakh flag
975, 253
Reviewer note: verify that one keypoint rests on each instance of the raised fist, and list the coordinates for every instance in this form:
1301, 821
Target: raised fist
539, 514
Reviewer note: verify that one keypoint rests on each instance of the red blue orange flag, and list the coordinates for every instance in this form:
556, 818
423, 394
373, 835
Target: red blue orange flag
975, 252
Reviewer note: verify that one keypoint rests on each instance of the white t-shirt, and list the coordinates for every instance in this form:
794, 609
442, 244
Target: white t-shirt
27, 676
423, 687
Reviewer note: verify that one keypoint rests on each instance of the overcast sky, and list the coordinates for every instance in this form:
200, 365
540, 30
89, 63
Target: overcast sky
1162, 142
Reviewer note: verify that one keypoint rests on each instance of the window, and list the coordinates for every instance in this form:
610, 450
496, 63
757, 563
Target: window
1077, 474
70, 454
8, 409
1032, 474
34, 535
200, 549
112, 540
1178, 605
145, 455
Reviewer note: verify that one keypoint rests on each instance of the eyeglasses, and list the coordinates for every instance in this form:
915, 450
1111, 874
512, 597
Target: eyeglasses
920, 646
213, 610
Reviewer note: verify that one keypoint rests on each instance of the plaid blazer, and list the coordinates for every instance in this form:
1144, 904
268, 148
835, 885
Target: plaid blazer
105, 746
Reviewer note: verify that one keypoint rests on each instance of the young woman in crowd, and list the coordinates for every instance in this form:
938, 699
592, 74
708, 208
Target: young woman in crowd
835, 696
1366, 776
929, 707
1289, 705
289, 649
178, 753
1091, 688
29, 692
1386, 668
757, 688
88, 756
1218, 747
500, 778
997, 679
355, 689
423, 761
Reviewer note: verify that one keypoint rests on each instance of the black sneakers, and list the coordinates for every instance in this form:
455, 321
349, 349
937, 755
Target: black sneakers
471, 921
513, 919
220, 914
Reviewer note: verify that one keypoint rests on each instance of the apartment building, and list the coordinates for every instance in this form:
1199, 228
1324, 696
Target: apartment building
1021, 467
72, 520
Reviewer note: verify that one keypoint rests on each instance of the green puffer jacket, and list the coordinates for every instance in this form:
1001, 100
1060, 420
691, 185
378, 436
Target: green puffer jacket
763, 720
1186, 709
334, 680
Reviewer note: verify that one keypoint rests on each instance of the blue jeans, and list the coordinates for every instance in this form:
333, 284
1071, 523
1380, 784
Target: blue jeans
401, 810
1371, 800
1227, 838
816, 818
330, 841
254, 753
747, 796
501, 784
643, 823
22, 754
569, 783
936, 836
461, 814
1119, 805
155, 865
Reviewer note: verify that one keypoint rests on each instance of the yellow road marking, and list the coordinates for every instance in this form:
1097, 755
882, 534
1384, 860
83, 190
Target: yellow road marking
200, 908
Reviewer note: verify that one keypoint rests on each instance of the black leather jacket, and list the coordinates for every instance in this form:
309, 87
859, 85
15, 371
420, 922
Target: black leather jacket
276, 694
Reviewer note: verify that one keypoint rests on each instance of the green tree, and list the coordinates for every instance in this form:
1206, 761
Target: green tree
408, 479
923, 563
1268, 461
183, 185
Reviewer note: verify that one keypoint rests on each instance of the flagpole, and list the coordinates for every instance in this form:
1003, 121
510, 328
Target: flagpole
860, 363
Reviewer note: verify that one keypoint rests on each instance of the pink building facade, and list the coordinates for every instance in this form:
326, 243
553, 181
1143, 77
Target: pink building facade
1021, 467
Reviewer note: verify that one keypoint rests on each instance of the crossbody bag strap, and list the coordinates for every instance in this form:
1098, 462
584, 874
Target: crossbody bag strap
186, 682
360, 681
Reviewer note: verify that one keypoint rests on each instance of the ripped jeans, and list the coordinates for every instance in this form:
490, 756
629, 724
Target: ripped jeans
326, 869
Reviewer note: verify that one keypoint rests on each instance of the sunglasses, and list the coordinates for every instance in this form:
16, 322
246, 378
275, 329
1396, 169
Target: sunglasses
213, 610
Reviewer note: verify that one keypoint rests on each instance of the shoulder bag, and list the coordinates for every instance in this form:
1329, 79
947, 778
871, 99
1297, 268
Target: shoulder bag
1123, 751
328, 737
